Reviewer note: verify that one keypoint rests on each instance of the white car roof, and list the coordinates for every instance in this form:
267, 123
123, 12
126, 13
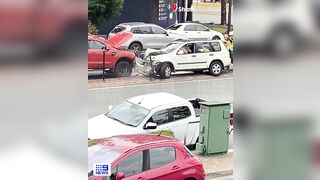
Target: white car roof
150, 101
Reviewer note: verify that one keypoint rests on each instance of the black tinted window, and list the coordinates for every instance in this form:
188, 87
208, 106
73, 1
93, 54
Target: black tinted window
174, 27
190, 28
118, 29
161, 156
215, 46
161, 117
141, 30
180, 112
95, 44
131, 165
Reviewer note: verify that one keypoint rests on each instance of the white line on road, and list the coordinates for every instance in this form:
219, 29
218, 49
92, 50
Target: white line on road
147, 84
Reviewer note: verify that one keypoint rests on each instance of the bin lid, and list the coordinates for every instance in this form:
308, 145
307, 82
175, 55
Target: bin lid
215, 103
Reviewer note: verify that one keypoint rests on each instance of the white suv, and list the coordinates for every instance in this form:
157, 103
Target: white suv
194, 56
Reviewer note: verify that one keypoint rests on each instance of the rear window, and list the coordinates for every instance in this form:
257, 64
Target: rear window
174, 27
118, 29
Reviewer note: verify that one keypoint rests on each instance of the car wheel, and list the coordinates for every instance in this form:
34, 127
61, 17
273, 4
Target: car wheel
123, 69
215, 68
136, 47
165, 71
216, 38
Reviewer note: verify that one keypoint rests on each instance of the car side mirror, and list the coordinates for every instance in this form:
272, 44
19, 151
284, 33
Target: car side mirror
150, 125
167, 34
110, 107
105, 48
120, 176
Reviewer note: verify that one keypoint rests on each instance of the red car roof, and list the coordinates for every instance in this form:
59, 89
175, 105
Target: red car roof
124, 143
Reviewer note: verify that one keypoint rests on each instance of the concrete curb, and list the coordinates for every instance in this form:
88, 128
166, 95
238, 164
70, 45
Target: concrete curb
219, 174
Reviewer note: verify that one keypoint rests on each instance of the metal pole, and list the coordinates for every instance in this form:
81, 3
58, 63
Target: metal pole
229, 16
103, 64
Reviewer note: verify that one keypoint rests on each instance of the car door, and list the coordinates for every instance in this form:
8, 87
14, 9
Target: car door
174, 119
203, 32
133, 167
204, 55
164, 164
191, 32
95, 55
144, 35
162, 38
186, 58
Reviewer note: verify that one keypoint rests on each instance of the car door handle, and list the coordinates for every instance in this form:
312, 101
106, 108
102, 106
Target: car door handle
175, 167
211, 54
141, 178
193, 56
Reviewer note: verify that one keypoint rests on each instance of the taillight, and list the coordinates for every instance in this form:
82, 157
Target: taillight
231, 119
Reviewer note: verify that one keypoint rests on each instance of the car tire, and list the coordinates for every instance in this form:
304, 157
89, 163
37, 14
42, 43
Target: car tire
136, 47
216, 38
123, 69
165, 71
215, 68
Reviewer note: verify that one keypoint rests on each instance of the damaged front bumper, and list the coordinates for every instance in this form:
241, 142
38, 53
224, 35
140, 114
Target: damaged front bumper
146, 67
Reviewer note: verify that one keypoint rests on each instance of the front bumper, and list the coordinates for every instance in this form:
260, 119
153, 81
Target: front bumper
144, 67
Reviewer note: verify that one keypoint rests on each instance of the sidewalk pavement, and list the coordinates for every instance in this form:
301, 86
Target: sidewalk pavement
217, 165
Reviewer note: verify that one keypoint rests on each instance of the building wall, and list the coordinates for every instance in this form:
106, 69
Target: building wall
139, 11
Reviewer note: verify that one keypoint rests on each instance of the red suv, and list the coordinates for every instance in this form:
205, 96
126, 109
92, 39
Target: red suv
119, 61
144, 157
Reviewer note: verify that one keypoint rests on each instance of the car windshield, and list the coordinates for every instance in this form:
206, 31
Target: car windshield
100, 154
170, 47
128, 113
174, 27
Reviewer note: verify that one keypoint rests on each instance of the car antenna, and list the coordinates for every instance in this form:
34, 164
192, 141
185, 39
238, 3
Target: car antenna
141, 100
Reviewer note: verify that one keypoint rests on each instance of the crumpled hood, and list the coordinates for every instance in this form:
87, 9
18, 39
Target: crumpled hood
101, 127
152, 52
119, 39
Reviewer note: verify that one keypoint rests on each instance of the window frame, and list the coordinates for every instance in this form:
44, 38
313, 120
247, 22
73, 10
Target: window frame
103, 45
202, 26
149, 156
195, 29
145, 162
213, 50
153, 32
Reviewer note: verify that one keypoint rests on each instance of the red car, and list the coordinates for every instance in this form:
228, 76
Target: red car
117, 60
144, 157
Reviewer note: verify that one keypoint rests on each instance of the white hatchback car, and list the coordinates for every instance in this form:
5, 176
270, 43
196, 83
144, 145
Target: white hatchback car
195, 31
194, 56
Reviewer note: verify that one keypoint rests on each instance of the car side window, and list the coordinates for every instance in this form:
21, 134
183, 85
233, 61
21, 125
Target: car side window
161, 117
131, 165
157, 30
190, 28
186, 49
95, 45
203, 47
201, 28
142, 30
215, 46
181, 112
161, 156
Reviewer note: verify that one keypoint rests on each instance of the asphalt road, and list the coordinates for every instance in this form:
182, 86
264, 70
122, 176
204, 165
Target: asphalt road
114, 90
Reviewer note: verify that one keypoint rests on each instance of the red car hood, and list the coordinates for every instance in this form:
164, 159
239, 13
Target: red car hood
119, 39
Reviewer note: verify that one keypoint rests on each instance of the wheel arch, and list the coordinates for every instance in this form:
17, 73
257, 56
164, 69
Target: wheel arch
136, 42
170, 64
123, 59
217, 60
